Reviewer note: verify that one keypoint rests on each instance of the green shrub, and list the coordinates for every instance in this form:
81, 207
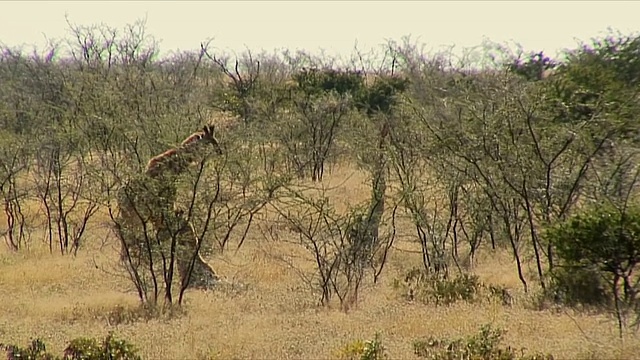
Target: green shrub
482, 346
500, 293
422, 286
78, 349
363, 350
598, 250
37, 350
110, 348
583, 286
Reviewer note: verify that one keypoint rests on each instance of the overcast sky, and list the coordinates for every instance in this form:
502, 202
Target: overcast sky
334, 26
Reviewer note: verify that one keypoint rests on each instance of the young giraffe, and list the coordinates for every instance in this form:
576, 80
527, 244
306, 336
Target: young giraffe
150, 199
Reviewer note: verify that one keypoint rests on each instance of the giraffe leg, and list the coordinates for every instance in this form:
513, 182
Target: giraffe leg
132, 256
201, 275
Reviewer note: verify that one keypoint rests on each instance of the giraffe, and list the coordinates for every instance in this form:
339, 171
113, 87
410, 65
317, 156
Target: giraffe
368, 226
148, 201
363, 230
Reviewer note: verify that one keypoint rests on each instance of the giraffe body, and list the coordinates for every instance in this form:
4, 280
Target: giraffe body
148, 221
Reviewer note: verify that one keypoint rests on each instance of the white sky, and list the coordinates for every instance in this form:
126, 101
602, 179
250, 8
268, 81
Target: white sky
334, 26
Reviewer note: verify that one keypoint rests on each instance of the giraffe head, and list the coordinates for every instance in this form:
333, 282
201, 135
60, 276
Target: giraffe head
205, 135
177, 159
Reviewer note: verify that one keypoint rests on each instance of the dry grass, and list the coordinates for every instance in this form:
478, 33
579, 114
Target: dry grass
58, 298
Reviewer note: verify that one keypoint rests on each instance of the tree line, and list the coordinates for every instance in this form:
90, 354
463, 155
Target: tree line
518, 151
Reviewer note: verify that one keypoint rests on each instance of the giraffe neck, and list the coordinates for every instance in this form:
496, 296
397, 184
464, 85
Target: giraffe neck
178, 159
379, 185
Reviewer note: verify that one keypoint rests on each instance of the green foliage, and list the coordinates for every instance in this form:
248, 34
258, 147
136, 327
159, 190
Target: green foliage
578, 287
600, 245
533, 67
381, 95
377, 97
315, 81
601, 235
430, 288
110, 349
482, 346
37, 350
617, 54
78, 349
599, 82
363, 350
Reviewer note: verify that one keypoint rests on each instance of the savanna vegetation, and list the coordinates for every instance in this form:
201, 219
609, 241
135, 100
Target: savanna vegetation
396, 204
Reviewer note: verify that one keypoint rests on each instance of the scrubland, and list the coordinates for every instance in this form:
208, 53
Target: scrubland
386, 204
274, 315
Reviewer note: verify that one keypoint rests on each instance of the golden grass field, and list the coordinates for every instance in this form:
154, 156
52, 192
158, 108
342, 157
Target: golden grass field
59, 298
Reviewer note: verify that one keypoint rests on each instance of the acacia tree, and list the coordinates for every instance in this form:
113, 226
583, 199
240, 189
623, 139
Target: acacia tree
602, 241
141, 109
322, 101
593, 92
339, 244
241, 85
43, 108
493, 138
14, 162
